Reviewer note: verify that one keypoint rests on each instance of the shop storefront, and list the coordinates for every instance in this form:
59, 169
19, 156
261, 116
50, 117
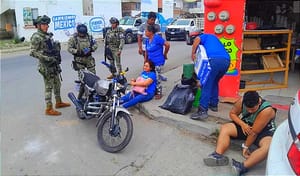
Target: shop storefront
259, 36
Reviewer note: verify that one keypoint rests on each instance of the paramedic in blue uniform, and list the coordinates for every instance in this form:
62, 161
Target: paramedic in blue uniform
219, 61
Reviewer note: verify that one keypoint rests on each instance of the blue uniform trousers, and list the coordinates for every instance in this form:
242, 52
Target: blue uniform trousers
131, 99
210, 90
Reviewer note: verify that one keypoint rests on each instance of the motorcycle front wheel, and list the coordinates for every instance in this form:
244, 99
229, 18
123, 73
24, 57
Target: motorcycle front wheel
115, 139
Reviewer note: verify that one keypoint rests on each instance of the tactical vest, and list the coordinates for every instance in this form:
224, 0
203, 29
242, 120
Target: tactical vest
113, 37
49, 48
83, 42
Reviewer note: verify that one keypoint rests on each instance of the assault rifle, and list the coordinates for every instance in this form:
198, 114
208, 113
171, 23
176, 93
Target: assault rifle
53, 50
107, 51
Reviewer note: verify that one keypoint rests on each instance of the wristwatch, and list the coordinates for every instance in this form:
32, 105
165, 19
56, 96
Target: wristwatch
244, 146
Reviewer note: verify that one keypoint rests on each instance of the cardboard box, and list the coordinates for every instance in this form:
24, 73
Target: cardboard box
272, 61
251, 44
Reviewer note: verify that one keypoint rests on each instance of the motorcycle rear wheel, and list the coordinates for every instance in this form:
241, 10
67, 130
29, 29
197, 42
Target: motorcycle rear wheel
120, 137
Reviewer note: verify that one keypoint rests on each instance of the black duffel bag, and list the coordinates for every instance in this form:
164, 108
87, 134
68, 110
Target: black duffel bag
180, 100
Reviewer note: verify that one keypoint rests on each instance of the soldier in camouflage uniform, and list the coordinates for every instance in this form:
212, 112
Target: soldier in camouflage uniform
48, 53
81, 45
114, 42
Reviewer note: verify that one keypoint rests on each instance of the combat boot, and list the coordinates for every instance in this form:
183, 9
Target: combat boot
52, 112
60, 104
110, 77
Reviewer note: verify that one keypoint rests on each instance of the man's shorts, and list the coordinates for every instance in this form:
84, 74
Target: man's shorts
240, 135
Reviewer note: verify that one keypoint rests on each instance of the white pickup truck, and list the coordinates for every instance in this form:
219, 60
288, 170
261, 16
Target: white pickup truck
184, 28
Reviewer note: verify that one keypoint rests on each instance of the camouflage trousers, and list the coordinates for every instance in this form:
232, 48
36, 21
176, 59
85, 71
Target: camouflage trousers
116, 61
86, 63
52, 84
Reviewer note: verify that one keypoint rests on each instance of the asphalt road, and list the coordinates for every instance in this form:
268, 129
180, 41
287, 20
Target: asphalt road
35, 144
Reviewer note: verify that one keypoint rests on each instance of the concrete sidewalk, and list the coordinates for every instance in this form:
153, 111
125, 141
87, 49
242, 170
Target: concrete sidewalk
206, 128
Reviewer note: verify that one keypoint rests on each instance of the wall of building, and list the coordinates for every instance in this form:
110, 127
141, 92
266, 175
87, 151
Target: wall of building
149, 5
66, 16
167, 8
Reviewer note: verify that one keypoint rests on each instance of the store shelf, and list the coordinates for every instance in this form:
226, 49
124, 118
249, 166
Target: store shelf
268, 32
264, 51
270, 70
270, 57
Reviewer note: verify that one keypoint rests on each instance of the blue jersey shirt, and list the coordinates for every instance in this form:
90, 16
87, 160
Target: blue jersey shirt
155, 50
152, 87
214, 47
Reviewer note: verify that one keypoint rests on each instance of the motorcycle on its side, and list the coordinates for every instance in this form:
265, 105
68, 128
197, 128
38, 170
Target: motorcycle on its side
99, 98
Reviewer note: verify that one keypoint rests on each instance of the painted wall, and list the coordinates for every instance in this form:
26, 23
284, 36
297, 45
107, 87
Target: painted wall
149, 5
66, 16
167, 6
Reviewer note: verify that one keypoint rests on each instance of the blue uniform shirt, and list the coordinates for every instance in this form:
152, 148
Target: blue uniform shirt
214, 47
152, 87
155, 50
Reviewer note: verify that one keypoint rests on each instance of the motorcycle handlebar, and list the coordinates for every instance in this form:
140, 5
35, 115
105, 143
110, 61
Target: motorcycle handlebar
111, 67
106, 64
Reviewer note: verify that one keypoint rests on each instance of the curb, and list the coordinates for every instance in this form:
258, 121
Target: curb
206, 128
64, 46
203, 128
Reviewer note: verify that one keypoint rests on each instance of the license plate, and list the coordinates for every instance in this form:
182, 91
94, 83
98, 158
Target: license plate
172, 32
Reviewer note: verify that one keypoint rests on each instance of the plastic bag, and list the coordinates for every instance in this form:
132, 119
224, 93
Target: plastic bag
180, 100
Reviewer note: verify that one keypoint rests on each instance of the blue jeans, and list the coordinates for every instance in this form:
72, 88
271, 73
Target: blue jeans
131, 99
210, 90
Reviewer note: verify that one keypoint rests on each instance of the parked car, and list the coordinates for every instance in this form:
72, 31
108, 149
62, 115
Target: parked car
284, 152
191, 37
182, 28
130, 26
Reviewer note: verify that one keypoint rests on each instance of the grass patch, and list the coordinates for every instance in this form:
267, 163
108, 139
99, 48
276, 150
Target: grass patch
12, 43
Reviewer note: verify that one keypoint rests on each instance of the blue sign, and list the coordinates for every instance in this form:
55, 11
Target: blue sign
97, 24
64, 22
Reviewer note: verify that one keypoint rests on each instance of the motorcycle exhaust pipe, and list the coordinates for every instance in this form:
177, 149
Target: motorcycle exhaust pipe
75, 101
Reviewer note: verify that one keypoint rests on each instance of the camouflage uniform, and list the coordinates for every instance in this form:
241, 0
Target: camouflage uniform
77, 46
48, 53
114, 40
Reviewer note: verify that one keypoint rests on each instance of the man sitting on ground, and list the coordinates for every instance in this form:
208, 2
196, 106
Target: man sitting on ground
256, 126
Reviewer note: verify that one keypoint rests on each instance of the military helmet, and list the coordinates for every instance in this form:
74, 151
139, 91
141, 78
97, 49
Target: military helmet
113, 20
43, 20
82, 29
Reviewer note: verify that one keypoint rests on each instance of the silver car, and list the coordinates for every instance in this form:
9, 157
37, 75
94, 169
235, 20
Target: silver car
284, 152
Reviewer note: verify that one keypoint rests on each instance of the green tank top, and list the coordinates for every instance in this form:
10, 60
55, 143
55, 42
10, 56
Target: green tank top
250, 118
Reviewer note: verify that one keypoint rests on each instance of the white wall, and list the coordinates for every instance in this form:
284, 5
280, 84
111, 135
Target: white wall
149, 5
65, 16
179, 3
167, 7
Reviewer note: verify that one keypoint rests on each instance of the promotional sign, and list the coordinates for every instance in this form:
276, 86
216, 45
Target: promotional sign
225, 19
